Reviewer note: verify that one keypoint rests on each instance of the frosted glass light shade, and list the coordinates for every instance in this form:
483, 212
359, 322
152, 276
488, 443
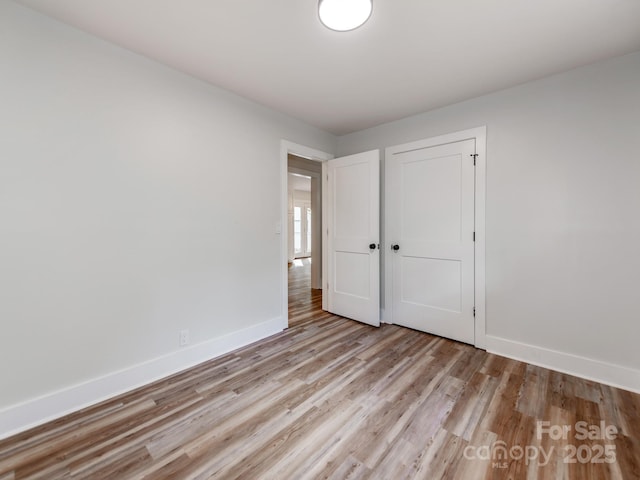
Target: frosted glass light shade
344, 15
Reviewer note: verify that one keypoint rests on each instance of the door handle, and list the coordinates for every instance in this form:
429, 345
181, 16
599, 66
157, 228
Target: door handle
395, 247
372, 246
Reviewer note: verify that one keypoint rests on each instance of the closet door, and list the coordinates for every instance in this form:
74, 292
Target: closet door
430, 219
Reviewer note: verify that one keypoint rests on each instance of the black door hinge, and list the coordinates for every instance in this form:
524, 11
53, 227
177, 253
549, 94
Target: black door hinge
474, 311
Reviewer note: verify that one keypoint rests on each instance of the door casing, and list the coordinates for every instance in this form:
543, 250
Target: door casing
287, 147
479, 134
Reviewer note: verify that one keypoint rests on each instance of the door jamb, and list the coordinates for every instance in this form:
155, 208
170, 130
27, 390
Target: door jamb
480, 136
287, 147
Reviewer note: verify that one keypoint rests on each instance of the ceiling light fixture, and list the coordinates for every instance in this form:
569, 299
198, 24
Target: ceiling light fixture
344, 15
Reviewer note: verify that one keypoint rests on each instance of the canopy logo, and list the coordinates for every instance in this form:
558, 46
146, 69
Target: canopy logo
501, 455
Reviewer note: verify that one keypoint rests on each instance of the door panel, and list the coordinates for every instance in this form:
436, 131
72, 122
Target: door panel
432, 282
353, 225
426, 183
352, 200
353, 274
431, 218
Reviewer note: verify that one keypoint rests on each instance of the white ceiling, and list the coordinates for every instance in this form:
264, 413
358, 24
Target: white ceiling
412, 55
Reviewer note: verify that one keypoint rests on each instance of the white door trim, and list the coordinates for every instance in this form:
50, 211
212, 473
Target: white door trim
287, 147
480, 136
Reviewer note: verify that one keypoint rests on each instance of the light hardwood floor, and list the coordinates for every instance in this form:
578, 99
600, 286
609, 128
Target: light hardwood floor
332, 398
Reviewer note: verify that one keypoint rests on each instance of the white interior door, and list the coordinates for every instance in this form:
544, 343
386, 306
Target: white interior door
430, 217
352, 224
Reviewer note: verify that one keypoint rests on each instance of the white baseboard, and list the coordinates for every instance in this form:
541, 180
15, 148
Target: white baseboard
588, 368
20, 417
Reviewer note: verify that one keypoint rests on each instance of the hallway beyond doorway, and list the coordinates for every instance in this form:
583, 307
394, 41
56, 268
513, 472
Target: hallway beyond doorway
303, 300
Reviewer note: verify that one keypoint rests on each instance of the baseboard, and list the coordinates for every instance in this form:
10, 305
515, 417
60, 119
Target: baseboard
23, 416
584, 367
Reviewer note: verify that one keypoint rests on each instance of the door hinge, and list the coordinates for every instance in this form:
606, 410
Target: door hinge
474, 236
474, 311
474, 155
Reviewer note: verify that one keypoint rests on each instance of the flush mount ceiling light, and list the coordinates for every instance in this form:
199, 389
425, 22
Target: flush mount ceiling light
344, 15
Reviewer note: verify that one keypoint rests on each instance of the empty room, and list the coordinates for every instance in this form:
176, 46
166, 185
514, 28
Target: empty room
319, 239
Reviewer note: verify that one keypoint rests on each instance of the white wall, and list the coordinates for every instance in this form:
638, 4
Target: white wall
563, 214
116, 225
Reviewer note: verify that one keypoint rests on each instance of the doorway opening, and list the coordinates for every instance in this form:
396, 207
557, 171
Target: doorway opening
304, 239
302, 233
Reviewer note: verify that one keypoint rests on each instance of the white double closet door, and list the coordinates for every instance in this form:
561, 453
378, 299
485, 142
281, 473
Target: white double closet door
429, 238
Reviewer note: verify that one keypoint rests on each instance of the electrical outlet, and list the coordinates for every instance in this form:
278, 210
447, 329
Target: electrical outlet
184, 337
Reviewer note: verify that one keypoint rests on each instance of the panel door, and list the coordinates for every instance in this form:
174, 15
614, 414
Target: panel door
353, 230
431, 220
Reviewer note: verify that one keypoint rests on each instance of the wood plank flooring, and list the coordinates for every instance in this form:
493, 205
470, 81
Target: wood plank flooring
332, 398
